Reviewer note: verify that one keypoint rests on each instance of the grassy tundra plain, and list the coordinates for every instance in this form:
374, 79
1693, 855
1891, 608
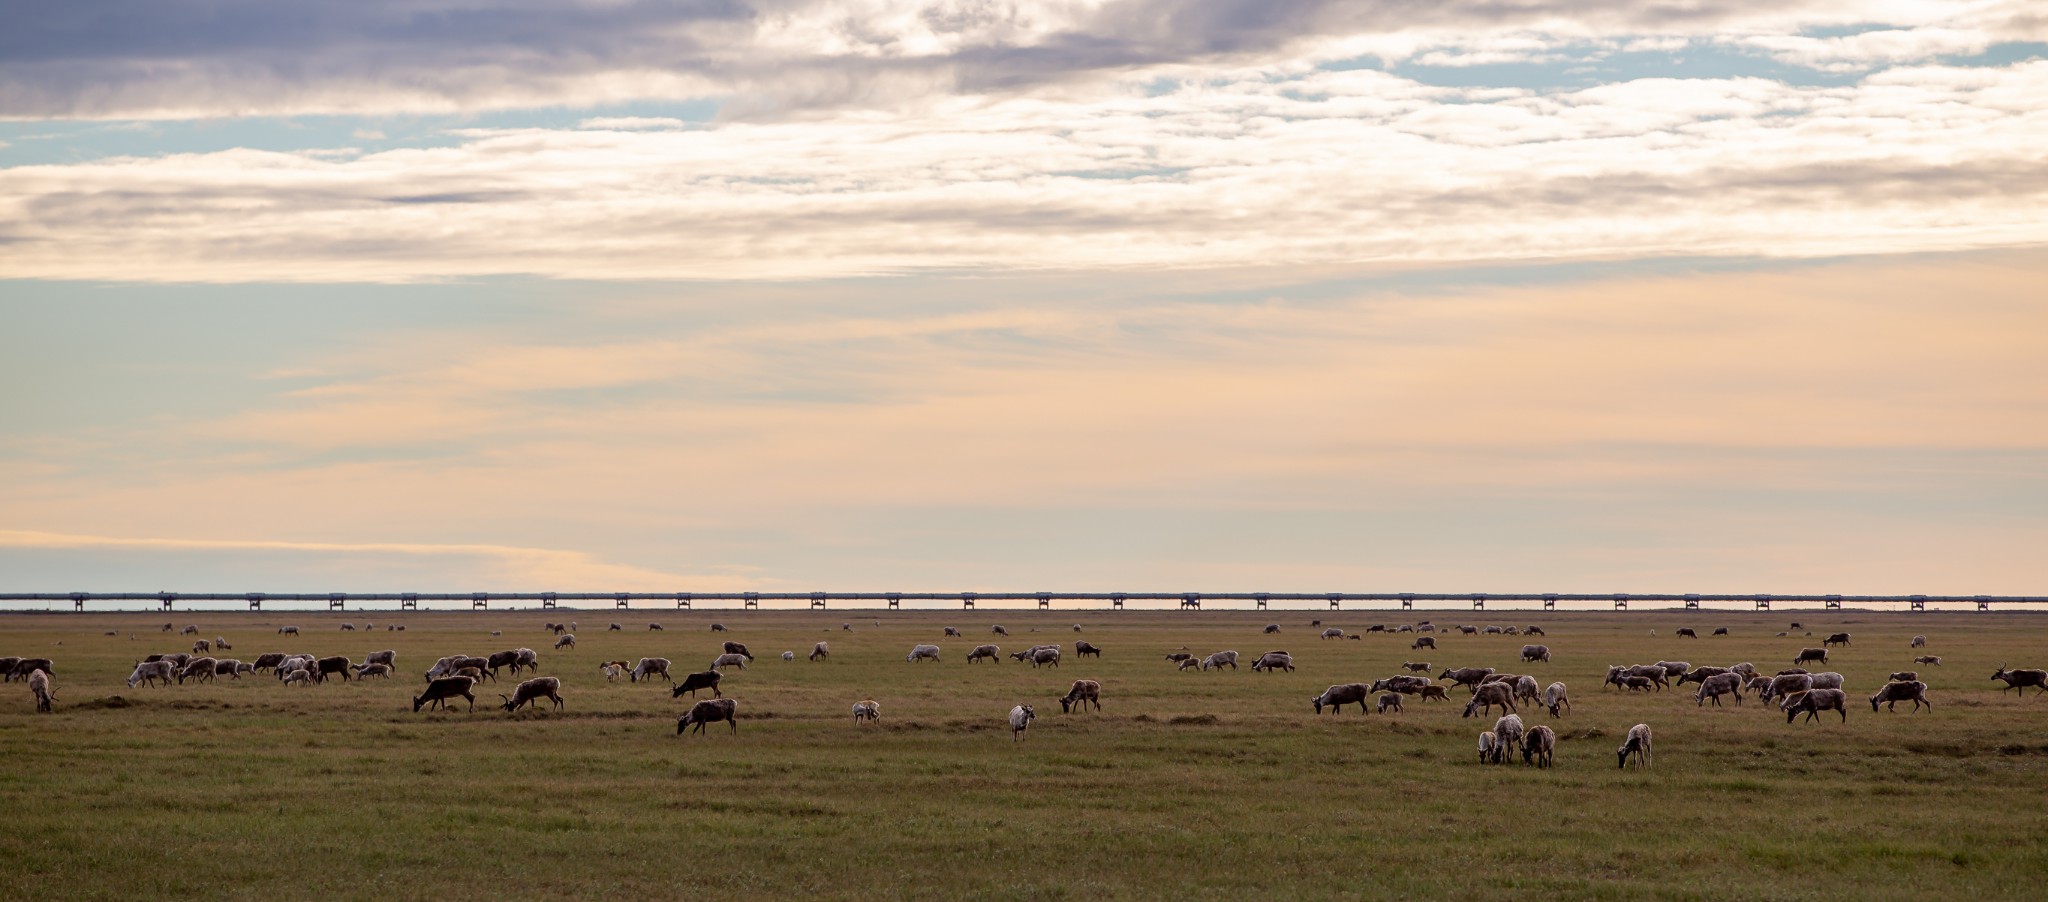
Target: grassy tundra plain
1195, 785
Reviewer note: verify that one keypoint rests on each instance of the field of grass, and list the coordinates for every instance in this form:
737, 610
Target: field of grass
1196, 785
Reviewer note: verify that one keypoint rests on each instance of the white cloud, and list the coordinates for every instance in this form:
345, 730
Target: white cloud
1666, 44
631, 123
1497, 49
1255, 166
1868, 49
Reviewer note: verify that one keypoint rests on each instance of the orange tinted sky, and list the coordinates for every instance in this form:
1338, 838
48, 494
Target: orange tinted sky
1858, 426
1587, 295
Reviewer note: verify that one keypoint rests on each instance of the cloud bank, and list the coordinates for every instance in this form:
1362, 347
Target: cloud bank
209, 58
1252, 167
863, 137
1865, 426
232, 560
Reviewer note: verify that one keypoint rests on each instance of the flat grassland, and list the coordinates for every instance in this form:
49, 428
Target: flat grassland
1187, 784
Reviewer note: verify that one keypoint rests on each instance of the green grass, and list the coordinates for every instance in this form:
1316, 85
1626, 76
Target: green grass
1218, 785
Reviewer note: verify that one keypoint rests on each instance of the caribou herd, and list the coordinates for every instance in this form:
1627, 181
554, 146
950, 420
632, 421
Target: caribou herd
1793, 691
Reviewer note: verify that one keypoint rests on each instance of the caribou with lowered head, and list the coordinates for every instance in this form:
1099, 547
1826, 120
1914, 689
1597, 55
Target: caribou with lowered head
1487, 695
1466, 676
1901, 691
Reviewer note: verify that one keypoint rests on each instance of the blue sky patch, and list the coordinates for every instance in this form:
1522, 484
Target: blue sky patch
62, 141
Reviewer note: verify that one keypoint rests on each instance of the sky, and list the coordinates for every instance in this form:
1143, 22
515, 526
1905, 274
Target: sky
1079, 295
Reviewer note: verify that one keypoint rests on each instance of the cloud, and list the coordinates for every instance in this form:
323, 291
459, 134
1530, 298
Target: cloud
1749, 431
1048, 366
1072, 402
471, 565
631, 123
191, 59
1867, 49
1260, 166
